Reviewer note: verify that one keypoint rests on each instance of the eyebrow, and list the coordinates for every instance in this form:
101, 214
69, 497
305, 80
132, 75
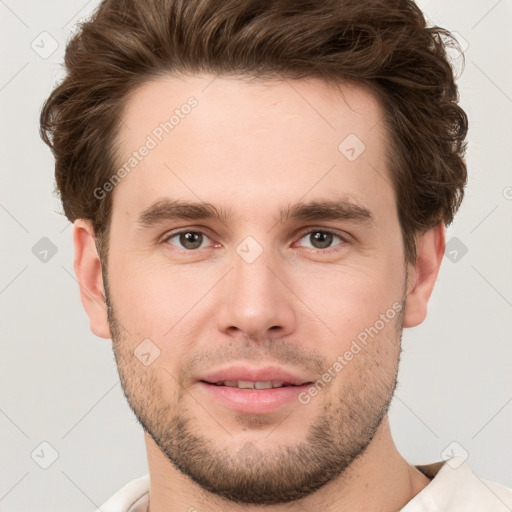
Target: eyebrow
319, 210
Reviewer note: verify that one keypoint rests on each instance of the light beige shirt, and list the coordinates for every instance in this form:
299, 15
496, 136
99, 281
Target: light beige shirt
453, 488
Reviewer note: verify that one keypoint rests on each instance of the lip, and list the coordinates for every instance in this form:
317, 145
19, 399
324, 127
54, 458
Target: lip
254, 401
265, 373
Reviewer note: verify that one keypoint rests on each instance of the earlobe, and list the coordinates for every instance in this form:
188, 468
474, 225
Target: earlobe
87, 267
430, 248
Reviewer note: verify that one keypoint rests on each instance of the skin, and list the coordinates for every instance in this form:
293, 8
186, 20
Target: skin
254, 148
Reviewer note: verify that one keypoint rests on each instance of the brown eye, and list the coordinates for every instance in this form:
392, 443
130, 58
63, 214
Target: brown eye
190, 240
320, 239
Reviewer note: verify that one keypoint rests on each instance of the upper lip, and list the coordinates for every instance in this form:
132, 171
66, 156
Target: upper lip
263, 374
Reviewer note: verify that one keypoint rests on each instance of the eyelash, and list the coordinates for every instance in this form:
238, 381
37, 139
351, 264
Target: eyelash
302, 235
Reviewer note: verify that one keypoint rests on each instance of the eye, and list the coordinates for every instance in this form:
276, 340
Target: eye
189, 240
322, 239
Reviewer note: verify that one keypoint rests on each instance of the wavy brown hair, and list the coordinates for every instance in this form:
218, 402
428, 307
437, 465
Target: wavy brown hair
383, 44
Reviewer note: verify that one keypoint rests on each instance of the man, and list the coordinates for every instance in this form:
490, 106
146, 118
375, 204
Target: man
259, 192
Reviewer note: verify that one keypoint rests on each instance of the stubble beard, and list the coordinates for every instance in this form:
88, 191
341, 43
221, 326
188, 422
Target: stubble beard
344, 428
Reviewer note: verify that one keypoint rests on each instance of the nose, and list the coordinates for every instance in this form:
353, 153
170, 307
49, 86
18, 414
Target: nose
257, 299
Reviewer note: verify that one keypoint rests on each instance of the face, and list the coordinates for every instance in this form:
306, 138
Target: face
255, 279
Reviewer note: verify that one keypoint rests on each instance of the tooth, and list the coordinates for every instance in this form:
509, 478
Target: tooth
245, 384
263, 385
277, 383
231, 383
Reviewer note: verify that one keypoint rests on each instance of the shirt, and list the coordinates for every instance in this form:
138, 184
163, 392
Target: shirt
453, 488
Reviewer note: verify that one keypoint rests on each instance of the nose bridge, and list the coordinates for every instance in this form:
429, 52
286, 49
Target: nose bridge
257, 299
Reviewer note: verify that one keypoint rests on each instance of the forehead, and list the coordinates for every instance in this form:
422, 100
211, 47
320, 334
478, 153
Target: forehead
232, 140
250, 104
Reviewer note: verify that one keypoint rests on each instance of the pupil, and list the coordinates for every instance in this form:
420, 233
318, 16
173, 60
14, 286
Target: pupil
324, 239
189, 240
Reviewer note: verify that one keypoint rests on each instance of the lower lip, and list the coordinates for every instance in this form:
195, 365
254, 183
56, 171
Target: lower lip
254, 401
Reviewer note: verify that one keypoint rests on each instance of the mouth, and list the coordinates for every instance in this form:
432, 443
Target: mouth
248, 377
254, 390
248, 384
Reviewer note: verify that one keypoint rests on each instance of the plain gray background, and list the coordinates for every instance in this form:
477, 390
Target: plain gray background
58, 382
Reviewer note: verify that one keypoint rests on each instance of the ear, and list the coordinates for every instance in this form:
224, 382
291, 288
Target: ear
88, 272
422, 275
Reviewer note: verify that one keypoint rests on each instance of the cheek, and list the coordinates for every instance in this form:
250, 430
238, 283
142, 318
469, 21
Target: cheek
349, 298
371, 354
161, 302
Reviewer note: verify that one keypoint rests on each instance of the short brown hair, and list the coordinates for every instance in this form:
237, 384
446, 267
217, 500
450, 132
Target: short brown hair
384, 44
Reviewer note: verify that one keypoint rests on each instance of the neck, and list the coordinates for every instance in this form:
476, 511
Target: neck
380, 479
